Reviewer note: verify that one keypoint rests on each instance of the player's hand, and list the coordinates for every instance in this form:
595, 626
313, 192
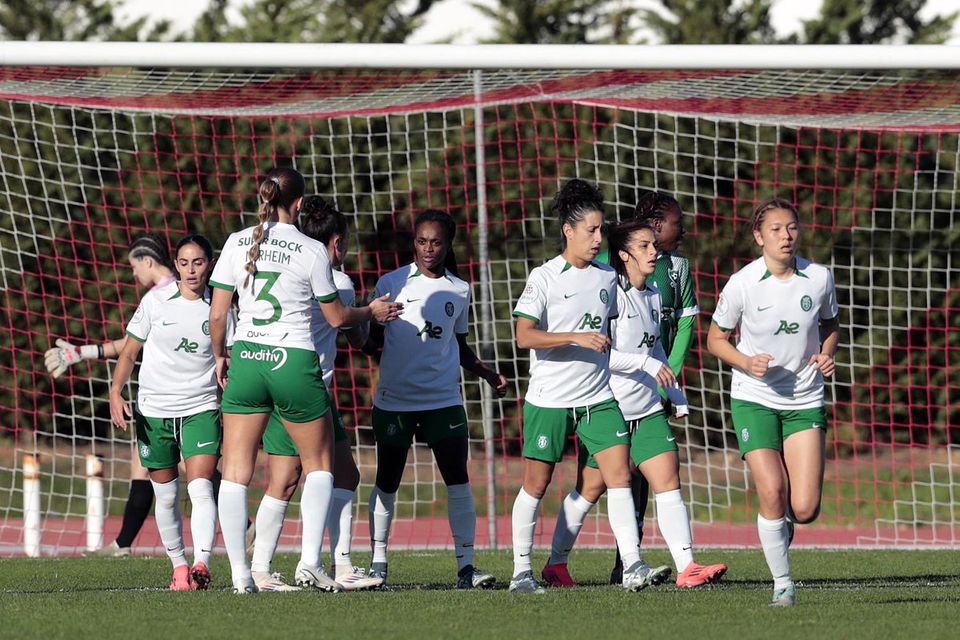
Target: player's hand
665, 377
499, 383
222, 365
823, 363
120, 411
384, 310
759, 364
62, 356
593, 341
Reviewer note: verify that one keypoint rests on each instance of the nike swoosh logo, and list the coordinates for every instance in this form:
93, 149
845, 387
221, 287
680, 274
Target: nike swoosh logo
201, 445
671, 439
457, 426
167, 324
632, 316
524, 555
414, 299
568, 295
688, 548
623, 433
759, 308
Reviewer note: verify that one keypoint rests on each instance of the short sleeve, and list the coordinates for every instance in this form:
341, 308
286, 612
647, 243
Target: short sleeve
224, 276
533, 300
829, 309
613, 304
347, 294
729, 307
321, 278
461, 327
688, 296
231, 329
139, 326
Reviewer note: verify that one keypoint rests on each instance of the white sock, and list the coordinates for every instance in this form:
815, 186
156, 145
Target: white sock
270, 517
232, 505
340, 527
773, 539
380, 512
167, 514
525, 510
623, 521
203, 519
462, 515
314, 506
573, 511
674, 524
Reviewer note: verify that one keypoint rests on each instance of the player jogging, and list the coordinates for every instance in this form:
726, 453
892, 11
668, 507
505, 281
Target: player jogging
638, 366
563, 316
276, 271
177, 413
419, 390
786, 309
319, 220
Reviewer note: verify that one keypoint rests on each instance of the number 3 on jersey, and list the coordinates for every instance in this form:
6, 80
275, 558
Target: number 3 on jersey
270, 278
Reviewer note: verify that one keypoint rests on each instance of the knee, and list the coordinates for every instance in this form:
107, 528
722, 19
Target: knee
536, 487
772, 499
283, 486
348, 478
619, 479
805, 513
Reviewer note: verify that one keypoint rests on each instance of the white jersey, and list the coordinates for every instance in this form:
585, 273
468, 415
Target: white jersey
420, 366
562, 298
292, 270
782, 318
325, 336
637, 354
177, 372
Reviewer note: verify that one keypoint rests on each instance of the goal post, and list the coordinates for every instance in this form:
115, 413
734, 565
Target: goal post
92, 154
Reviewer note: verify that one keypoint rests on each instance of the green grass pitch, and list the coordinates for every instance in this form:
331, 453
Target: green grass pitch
844, 594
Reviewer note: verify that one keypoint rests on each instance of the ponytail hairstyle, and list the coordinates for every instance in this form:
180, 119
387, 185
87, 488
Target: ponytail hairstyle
449, 232
654, 205
154, 246
320, 220
279, 190
574, 201
769, 205
618, 237
200, 241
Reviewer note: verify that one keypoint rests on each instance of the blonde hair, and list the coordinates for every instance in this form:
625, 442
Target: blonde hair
279, 190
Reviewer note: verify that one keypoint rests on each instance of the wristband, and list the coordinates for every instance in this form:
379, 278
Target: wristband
91, 351
100, 351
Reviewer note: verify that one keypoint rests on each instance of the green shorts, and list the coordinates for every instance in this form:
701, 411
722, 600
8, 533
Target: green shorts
163, 441
431, 426
277, 442
760, 427
547, 429
649, 436
263, 379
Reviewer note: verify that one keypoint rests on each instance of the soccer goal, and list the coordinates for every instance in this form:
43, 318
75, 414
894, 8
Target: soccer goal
91, 154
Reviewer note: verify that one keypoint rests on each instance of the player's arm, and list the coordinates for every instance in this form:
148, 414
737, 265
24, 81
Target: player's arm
220, 303
718, 343
681, 343
120, 411
65, 354
657, 368
473, 364
829, 341
530, 336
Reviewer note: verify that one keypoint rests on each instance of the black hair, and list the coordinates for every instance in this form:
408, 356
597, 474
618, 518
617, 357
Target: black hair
573, 201
654, 205
200, 241
280, 189
618, 237
760, 212
152, 245
320, 220
449, 233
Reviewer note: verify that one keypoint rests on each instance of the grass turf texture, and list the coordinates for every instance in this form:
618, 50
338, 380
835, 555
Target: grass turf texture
849, 594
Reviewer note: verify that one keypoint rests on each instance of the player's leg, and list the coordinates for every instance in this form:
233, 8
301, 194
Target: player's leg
641, 496
804, 440
393, 431
200, 436
573, 511
135, 511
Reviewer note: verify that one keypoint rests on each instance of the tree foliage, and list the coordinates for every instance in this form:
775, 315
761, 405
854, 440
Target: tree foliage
74, 20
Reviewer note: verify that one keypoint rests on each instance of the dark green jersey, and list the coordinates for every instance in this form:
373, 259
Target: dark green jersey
675, 282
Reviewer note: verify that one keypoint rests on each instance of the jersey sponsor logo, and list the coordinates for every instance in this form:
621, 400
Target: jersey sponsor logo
448, 308
255, 334
590, 322
744, 434
789, 328
648, 340
201, 445
529, 294
187, 346
604, 296
431, 331
806, 303
168, 324
277, 355
567, 296
205, 327
287, 245
542, 442
762, 309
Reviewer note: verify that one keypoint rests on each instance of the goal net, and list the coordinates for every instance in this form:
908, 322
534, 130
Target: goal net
90, 157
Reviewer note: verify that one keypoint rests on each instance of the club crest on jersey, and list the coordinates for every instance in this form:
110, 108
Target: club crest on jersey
655, 315
744, 434
449, 309
144, 450
604, 296
542, 442
806, 303
674, 276
205, 327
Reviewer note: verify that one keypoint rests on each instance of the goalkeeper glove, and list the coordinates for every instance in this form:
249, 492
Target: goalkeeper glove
66, 354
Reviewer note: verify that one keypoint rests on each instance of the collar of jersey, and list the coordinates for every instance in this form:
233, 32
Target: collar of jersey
567, 265
416, 272
205, 297
796, 271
